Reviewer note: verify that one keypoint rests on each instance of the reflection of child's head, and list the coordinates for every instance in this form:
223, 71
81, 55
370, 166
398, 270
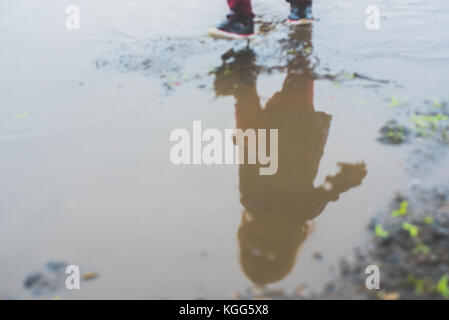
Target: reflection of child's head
268, 245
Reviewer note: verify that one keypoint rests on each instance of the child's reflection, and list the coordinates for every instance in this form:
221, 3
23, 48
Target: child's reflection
278, 207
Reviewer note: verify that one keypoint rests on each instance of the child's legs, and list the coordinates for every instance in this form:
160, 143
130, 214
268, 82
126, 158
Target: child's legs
241, 7
299, 1
244, 8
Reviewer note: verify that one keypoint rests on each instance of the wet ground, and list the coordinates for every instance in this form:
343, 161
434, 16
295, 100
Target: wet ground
84, 137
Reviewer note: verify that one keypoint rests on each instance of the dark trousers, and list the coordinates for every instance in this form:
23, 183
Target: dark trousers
243, 7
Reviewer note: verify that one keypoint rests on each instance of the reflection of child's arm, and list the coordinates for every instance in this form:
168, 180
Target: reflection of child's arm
350, 176
318, 200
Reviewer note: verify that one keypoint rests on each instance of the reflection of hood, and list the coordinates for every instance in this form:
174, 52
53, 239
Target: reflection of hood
269, 245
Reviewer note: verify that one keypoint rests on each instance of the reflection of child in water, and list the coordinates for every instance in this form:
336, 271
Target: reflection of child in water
278, 207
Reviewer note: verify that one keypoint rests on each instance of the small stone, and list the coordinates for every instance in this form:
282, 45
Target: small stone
389, 296
57, 267
33, 279
317, 256
90, 275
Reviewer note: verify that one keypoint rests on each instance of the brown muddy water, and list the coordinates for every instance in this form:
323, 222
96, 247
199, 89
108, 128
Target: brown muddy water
86, 116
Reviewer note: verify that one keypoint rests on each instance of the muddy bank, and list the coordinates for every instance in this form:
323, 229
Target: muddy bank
410, 246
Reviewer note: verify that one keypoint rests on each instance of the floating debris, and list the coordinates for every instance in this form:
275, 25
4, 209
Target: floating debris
318, 256
22, 115
397, 102
394, 133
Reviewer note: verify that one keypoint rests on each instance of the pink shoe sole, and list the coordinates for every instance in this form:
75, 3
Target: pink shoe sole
300, 22
220, 34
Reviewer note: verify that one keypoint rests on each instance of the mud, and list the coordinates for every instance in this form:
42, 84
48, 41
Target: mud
52, 279
413, 258
411, 253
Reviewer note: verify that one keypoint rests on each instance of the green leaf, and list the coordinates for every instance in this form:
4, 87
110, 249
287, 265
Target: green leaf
393, 102
437, 103
23, 115
442, 287
412, 229
421, 248
426, 121
380, 232
396, 102
419, 287
401, 211
429, 220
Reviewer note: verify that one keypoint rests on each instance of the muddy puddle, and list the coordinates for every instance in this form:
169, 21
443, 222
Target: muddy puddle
86, 116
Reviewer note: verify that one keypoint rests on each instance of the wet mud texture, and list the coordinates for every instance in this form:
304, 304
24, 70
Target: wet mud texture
410, 245
52, 278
